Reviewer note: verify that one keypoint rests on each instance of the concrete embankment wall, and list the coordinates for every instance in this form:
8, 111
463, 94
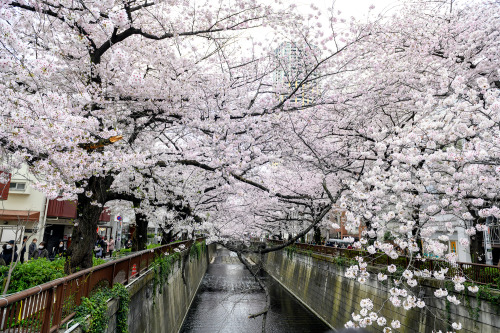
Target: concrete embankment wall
321, 285
162, 311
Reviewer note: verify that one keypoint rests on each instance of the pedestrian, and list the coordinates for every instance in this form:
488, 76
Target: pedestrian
60, 250
111, 246
128, 245
9, 252
41, 252
105, 246
23, 249
98, 247
32, 248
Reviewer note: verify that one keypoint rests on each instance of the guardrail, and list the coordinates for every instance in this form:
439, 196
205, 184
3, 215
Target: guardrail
477, 273
46, 307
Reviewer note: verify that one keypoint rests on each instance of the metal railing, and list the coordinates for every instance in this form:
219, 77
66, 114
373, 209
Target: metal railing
478, 273
46, 307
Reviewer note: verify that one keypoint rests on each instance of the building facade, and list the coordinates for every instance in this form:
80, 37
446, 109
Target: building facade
24, 211
294, 64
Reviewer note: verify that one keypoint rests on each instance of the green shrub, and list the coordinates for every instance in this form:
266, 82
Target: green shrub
96, 307
35, 272
152, 246
97, 261
32, 273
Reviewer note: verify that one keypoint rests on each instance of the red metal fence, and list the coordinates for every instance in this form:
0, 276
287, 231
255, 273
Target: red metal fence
478, 273
46, 307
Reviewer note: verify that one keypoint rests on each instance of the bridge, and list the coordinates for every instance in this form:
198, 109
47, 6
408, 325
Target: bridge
210, 291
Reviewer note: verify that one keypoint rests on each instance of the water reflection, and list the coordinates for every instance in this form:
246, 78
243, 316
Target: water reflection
228, 294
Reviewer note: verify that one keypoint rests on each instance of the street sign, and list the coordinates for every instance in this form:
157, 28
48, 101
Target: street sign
119, 218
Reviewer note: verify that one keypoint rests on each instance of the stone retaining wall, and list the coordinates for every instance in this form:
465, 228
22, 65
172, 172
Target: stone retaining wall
163, 312
321, 285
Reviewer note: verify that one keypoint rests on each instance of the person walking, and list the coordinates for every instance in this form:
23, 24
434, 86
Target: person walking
9, 252
98, 248
41, 252
105, 246
111, 246
23, 249
32, 248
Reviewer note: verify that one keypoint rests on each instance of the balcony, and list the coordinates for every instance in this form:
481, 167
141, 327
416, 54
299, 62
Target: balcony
62, 209
66, 209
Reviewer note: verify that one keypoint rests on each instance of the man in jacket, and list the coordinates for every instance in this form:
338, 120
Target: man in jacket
32, 248
41, 252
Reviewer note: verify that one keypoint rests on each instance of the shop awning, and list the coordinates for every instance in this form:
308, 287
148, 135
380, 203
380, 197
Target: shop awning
18, 215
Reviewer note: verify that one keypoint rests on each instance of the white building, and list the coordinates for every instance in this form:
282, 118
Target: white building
26, 211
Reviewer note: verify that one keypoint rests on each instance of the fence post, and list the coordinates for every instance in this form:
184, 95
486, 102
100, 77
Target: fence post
48, 311
113, 275
59, 304
128, 271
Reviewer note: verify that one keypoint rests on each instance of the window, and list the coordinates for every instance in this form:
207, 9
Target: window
21, 187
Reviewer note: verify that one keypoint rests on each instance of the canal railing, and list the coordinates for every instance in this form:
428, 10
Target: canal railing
477, 273
45, 308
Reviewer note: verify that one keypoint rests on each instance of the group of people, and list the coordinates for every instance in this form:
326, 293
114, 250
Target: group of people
9, 251
36, 251
103, 246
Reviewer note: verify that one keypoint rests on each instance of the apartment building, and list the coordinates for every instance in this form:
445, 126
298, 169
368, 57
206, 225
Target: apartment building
26, 211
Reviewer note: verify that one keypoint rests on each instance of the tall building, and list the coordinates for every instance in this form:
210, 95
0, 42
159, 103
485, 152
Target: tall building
295, 70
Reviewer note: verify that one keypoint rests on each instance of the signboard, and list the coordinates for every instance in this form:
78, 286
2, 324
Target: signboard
487, 247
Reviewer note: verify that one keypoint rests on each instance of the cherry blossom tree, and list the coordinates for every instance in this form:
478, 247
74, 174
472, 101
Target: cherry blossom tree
175, 107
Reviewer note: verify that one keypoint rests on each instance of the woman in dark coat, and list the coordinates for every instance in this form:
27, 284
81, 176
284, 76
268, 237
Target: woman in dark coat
9, 252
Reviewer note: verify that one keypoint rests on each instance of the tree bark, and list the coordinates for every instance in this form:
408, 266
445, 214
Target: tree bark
477, 252
317, 235
167, 237
476, 248
141, 232
83, 238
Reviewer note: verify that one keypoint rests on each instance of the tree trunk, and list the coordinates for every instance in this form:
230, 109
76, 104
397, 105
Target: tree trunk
83, 238
477, 252
141, 232
167, 237
317, 235
416, 229
477, 249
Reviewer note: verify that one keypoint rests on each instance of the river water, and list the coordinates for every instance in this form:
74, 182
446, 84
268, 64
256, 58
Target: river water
228, 294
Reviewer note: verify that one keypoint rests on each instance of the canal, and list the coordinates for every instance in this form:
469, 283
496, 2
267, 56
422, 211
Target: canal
228, 294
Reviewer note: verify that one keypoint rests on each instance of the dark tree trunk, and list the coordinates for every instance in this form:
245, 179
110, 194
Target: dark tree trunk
83, 238
477, 241
317, 235
477, 249
416, 228
141, 232
167, 237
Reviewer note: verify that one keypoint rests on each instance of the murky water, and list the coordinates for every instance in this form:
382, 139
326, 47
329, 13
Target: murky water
228, 295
